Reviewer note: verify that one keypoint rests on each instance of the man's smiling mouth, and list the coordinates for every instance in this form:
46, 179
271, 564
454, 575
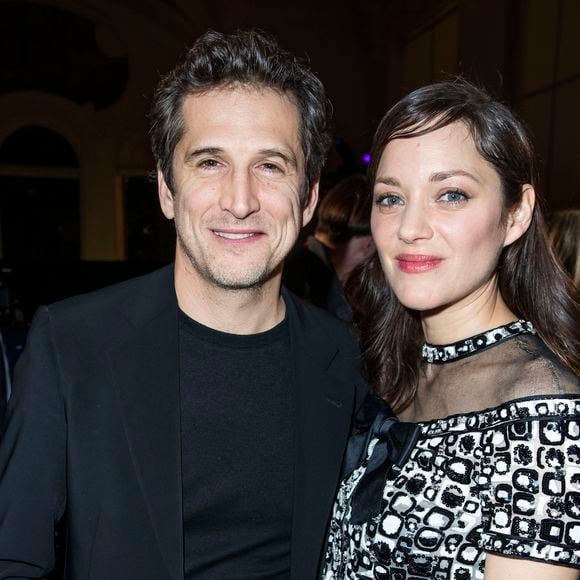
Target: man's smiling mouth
235, 235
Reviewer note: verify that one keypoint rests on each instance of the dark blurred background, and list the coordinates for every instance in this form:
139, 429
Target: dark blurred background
77, 210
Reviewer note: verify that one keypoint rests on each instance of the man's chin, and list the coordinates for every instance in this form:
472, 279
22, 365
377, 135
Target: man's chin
244, 281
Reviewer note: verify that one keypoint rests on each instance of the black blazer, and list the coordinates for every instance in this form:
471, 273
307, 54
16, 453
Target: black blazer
93, 428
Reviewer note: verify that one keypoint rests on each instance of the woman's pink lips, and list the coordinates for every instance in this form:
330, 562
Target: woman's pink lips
417, 263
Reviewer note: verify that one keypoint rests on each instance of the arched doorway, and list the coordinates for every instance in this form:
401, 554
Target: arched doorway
39, 197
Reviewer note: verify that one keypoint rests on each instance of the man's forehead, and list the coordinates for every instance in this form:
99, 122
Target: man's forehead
237, 92
259, 114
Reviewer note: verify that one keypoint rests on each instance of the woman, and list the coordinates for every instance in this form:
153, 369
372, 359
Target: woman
474, 344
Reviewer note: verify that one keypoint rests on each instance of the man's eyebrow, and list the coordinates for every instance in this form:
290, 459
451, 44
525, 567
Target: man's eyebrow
388, 181
195, 153
287, 155
443, 175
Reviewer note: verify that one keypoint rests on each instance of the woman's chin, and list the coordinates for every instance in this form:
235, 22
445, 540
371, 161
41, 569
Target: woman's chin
420, 303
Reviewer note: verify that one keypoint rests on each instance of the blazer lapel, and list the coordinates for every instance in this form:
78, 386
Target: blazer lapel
324, 406
146, 370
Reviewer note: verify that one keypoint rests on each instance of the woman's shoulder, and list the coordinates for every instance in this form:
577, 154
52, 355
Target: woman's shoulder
520, 373
535, 370
518, 368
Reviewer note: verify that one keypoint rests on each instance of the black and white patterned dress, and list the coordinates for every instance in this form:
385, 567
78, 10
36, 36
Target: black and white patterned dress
504, 479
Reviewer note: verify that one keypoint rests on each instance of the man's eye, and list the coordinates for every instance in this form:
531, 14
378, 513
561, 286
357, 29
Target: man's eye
454, 196
388, 201
271, 167
209, 163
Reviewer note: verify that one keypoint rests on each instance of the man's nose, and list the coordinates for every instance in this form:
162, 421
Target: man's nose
239, 195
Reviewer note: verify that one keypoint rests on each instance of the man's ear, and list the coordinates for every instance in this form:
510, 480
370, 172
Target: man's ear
310, 204
520, 216
166, 199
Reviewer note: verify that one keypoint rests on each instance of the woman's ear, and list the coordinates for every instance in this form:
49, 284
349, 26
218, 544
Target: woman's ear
520, 216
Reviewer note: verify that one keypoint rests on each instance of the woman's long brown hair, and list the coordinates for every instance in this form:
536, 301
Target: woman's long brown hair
531, 281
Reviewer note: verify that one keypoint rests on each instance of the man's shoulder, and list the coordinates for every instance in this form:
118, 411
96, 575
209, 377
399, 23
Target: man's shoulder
311, 312
319, 321
141, 289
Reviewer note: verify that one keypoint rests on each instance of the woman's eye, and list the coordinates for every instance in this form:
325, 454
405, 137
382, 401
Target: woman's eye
388, 200
455, 196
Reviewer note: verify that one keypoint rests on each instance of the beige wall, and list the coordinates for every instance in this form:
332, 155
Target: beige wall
526, 50
368, 53
112, 142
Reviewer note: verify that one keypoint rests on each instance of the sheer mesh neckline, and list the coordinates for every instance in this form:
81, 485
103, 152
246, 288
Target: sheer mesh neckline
444, 353
555, 406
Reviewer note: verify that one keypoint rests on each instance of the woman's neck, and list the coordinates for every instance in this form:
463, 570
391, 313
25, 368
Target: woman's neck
483, 310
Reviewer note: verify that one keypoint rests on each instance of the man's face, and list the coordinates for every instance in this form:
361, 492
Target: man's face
238, 174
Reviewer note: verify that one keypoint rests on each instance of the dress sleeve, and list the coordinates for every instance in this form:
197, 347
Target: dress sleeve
530, 486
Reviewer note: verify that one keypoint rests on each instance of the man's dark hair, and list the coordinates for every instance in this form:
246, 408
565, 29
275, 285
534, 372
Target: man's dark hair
246, 58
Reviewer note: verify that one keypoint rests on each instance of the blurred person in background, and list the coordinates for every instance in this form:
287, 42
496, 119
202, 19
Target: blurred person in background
565, 238
13, 333
318, 270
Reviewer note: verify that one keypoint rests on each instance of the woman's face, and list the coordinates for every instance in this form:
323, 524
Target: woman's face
437, 219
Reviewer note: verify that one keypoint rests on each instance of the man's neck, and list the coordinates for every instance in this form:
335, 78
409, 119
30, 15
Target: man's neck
247, 311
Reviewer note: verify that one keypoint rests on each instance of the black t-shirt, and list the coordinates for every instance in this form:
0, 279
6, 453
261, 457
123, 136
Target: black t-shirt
237, 415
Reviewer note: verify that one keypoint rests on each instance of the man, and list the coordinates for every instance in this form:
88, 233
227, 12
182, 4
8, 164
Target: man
191, 423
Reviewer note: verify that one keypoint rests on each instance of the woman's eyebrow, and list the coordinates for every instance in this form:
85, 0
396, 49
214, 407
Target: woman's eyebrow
388, 181
443, 175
